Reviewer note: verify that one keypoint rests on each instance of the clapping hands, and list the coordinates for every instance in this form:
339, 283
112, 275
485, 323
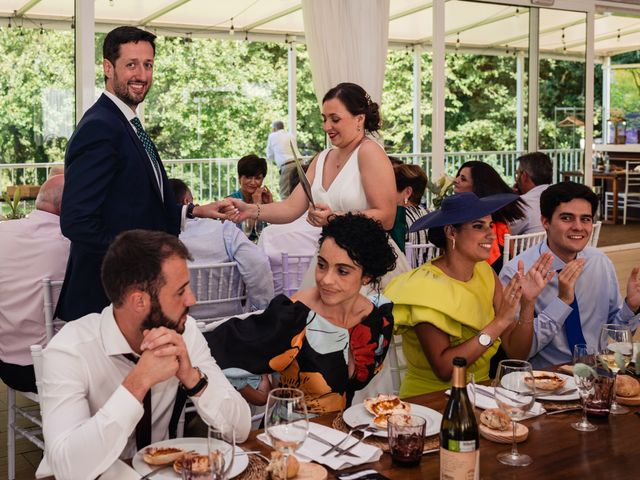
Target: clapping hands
534, 281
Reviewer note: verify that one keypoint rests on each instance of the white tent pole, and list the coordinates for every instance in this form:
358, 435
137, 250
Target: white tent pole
292, 89
85, 56
606, 97
589, 92
417, 96
520, 102
438, 91
534, 73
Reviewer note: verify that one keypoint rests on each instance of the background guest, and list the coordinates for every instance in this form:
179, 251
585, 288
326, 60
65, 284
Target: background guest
211, 241
533, 175
328, 340
454, 305
279, 149
251, 173
31, 249
411, 182
481, 179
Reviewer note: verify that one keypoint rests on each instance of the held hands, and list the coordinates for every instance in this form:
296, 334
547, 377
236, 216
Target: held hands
319, 216
164, 343
222, 209
567, 279
241, 210
633, 290
537, 277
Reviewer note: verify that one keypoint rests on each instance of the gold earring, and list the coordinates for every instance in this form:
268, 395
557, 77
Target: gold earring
358, 128
454, 243
406, 201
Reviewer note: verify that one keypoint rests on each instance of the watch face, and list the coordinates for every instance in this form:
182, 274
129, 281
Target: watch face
484, 339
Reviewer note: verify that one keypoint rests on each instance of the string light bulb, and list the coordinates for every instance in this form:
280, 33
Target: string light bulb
232, 30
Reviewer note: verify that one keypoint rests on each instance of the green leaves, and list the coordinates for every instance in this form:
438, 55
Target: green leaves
14, 205
585, 371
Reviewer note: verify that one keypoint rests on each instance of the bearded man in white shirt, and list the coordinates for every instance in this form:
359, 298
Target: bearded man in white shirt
110, 380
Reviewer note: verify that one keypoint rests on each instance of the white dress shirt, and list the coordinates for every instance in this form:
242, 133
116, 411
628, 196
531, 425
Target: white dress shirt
211, 241
90, 418
530, 223
279, 147
31, 249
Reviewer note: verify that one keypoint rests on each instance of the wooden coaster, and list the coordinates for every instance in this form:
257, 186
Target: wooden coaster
506, 436
257, 469
631, 401
311, 471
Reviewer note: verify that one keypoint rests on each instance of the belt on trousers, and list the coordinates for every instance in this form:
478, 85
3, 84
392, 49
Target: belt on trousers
285, 164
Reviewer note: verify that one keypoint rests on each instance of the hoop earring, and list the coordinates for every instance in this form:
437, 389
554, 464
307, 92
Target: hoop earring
453, 246
406, 201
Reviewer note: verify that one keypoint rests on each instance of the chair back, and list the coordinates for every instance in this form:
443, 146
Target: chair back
595, 234
294, 266
50, 293
515, 244
420, 253
219, 290
631, 188
397, 362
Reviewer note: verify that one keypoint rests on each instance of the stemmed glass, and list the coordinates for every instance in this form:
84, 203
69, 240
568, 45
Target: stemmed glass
286, 421
585, 384
615, 351
515, 397
222, 449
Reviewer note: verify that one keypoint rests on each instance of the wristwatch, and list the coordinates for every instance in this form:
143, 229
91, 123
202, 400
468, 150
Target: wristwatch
190, 208
197, 388
484, 339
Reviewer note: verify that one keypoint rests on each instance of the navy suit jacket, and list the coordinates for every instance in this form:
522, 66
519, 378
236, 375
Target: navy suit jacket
109, 187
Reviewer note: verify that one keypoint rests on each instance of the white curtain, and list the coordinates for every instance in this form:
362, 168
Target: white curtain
347, 42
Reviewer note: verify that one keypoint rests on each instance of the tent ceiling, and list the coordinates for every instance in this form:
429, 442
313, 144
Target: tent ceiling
470, 25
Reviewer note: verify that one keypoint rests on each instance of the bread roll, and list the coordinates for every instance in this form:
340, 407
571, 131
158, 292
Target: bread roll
496, 419
162, 456
277, 465
627, 386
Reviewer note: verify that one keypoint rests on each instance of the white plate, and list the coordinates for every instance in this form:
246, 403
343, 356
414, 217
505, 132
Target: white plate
240, 463
357, 415
551, 396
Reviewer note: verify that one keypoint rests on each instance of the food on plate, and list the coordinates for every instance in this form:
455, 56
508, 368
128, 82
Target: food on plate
381, 421
277, 466
548, 381
495, 419
199, 464
385, 405
627, 386
162, 455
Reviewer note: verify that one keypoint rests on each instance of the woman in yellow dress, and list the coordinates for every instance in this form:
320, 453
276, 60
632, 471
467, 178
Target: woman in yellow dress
454, 305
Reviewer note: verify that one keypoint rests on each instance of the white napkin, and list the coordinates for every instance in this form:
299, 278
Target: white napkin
484, 401
313, 450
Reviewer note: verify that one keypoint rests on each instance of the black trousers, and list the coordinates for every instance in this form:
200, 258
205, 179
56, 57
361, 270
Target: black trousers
18, 377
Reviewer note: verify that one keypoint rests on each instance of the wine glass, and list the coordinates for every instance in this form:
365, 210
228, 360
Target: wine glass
286, 421
615, 351
515, 397
585, 384
221, 442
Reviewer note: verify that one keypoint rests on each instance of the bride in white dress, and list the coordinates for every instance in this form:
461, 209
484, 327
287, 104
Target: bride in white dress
354, 175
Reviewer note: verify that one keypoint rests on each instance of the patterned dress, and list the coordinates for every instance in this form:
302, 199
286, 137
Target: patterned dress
308, 351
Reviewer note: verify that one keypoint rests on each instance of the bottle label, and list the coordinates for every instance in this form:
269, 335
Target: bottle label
459, 465
461, 445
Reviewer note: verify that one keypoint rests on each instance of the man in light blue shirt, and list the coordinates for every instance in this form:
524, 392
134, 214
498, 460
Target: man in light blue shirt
211, 241
580, 272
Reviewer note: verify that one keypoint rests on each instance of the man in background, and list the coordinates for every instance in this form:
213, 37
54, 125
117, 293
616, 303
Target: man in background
211, 241
533, 175
31, 249
279, 149
115, 180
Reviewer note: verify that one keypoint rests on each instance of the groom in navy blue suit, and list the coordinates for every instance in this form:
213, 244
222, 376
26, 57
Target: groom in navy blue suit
114, 179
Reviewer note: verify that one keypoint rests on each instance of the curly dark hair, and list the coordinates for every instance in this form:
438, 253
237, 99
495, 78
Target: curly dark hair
486, 181
364, 240
358, 102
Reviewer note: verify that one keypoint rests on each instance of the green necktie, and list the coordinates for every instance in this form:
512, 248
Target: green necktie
148, 146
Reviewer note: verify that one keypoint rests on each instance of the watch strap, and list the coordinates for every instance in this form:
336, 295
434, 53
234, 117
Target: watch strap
190, 208
197, 388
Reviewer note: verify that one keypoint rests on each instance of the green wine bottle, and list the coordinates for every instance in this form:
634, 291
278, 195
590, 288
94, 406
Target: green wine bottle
459, 439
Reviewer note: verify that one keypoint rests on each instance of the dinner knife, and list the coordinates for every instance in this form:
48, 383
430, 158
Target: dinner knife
153, 473
340, 451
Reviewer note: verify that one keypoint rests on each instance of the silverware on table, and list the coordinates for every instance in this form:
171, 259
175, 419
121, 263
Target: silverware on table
357, 428
318, 438
562, 410
366, 433
153, 473
252, 452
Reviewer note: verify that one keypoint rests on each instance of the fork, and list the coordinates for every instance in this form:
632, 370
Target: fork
318, 438
366, 433
357, 428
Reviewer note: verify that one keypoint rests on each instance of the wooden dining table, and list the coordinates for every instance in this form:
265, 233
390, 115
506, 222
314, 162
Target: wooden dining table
615, 177
558, 451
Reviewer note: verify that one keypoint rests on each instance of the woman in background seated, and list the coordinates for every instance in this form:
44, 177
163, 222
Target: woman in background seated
251, 172
454, 305
328, 340
411, 182
481, 179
